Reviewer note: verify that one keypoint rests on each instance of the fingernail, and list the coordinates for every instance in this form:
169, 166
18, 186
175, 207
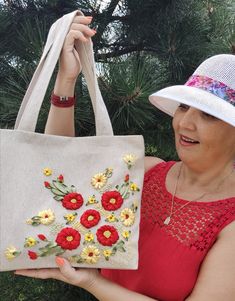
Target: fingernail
90, 17
93, 30
59, 261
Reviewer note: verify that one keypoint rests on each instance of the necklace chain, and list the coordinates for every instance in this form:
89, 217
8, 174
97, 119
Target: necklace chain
168, 219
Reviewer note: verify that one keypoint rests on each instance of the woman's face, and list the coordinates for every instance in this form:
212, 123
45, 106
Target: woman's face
201, 138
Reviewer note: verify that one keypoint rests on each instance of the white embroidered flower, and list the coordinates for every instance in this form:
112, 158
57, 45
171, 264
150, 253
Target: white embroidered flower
90, 254
127, 217
99, 180
129, 159
46, 216
11, 253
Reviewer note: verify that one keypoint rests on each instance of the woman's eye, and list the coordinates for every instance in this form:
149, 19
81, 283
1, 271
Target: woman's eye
206, 115
183, 106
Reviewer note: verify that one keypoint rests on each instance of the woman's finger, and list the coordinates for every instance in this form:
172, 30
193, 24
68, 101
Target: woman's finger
83, 28
82, 20
41, 273
68, 272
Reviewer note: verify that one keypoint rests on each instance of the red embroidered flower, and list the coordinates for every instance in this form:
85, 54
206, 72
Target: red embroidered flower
111, 200
68, 239
32, 255
42, 237
127, 178
47, 184
107, 235
61, 178
72, 201
90, 218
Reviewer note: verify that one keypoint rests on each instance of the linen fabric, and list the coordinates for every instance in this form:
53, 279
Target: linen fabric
172, 254
77, 197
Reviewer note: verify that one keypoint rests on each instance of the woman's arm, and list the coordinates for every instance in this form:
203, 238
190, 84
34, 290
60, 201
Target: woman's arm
216, 280
61, 120
89, 279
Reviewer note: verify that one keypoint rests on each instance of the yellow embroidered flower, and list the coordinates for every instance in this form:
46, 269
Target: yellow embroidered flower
47, 171
70, 217
92, 200
107, 253
89, 237
126, 234
134, 187
99, 180
90, 254
30, 242
111, 218
129, 159
11, 253
46, 217
127, 217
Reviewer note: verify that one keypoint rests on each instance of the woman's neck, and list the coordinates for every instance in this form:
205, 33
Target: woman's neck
206, 178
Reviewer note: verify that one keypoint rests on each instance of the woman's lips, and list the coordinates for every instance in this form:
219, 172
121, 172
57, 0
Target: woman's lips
186, 141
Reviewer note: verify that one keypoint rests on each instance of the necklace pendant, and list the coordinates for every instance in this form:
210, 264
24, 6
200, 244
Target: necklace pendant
167, 220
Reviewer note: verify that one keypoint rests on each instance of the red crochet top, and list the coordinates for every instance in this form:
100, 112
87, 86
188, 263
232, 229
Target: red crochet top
170, 256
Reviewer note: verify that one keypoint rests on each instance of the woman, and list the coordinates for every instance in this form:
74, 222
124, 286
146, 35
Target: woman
187, 243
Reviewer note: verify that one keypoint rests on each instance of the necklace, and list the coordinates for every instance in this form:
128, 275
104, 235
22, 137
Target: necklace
168, 219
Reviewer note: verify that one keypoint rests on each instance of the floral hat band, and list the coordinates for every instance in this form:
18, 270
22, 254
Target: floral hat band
212, 86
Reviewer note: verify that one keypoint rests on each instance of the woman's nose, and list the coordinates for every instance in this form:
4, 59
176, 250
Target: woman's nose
189, 119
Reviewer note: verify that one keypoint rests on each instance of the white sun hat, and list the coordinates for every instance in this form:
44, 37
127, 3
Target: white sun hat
210, 89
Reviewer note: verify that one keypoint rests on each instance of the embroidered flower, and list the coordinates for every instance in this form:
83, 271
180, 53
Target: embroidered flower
126, 179
126, 234
129, 159
90, 254
46, 217
72, 201
107, 235
47, 171
107, 253
11, 253
134, 187
99, 180
61, 178
42, 237
111, 218
90, 218
111, 200
47, 184
91, 200
68, 239
127, 217
30, 242
32, 255
70, 217
89, 237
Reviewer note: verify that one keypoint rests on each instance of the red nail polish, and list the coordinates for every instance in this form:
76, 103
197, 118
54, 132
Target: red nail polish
59, 261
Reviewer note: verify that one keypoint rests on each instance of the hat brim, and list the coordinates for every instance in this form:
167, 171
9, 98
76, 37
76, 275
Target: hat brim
168, 100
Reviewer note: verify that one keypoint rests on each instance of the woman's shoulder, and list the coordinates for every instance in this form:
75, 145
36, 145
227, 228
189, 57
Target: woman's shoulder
150, 162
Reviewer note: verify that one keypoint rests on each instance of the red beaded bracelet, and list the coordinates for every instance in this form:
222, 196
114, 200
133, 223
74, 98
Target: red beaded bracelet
62, 101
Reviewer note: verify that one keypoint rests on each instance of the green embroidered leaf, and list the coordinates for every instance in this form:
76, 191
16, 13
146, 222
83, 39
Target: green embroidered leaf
57, 192
58, 198
127, 195
122, 249
60, 186
72, 189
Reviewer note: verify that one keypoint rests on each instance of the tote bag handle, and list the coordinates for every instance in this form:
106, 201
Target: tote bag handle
28, 114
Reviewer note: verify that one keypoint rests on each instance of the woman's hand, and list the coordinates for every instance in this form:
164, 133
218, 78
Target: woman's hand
69, 64
85, 278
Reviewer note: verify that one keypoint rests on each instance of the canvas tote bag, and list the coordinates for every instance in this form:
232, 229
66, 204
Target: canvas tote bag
77, 197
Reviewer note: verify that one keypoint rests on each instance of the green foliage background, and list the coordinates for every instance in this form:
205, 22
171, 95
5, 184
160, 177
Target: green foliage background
140, 47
